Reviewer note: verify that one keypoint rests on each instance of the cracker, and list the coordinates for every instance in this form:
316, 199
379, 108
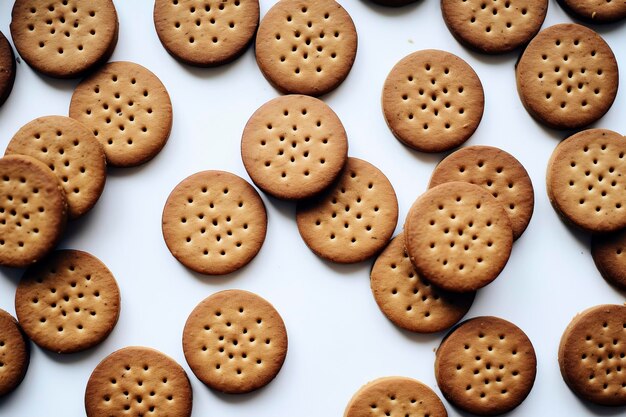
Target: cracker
68, 302
138, 381
71, 151
353, 219
7, 69
592, 356
128, 109
409, 300
235, 341
609, 254
486, 366
306, 46
14, 353
497, 172
64, 39
432, 100
458, 236
214, 222
567, 77
206, 33
33, 210
585, 178
596, 11
494, 27
395, 395
294, 147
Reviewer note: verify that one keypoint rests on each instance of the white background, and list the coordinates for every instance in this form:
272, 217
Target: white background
338, 339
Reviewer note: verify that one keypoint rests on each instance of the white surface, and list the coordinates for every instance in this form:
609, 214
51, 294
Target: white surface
338, 338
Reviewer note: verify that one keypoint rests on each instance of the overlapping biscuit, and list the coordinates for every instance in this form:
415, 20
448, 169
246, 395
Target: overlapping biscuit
235, 341
567, 77
71, 151
592, 357
306, 46
206, 33
64, 38
609, 254
432, 100
14, 353
294, 147
7, 69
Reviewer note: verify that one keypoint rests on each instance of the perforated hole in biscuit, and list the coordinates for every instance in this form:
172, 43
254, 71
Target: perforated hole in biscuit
605, 358
21, 212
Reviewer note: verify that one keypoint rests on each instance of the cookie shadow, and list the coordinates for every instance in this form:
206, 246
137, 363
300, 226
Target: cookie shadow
391, 11
12, 274
600, 410
68, 358
61, 84
214, 71
237, 398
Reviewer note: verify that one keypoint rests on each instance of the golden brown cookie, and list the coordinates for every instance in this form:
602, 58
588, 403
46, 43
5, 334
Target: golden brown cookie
306, 46
410, 301
138, 381
70, 150
68, 302
206, 33
7, 69
567, 77
214, 222
235, 341
432, 100
497, 172
64, 39
353, 219
609, 254
494, 27
395, 395
486, 366
592, 357
33, 210
294, 146
128, 109
14, 353
596, 11
586, 178
458, 236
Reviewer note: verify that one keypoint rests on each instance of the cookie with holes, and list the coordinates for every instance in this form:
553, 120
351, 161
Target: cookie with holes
609, 254
353, 219
592, 355
294, 147
585, 180
205, 33
71, 151
214, 222
409, 300
458, 236
494, 27
33, 210
432, 101
306, 46
64, 39
567, 77
496, 171
128, 109
596, 11
14, 353
138, 381
235, 341
68, 302
486, 366
7, 69
395, 395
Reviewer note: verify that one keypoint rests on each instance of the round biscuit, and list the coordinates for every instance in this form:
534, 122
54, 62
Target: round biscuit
596, 11
294, 146
409, 300
486, 366
306, 46
64, 39
128, 109
432, 101
567, 77
458, 236
353, 219
609, 254
14, 353
7, 69
235, 341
